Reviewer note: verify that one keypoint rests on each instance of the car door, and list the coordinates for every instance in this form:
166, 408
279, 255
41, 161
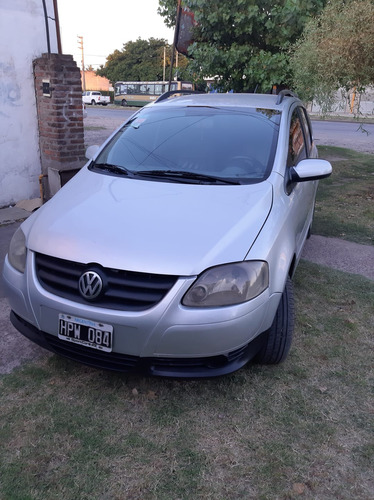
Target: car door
301, 194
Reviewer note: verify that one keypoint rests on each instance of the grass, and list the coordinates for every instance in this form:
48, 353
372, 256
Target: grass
345, 201
70, 432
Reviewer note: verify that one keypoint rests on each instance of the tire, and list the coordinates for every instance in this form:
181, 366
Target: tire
123, 102
93, 102
278, 338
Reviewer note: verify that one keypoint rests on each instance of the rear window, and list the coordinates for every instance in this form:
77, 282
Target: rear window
228, 143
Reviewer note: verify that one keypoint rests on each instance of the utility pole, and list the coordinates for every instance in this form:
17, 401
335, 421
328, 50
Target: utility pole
80, 45
176, 33
164, 69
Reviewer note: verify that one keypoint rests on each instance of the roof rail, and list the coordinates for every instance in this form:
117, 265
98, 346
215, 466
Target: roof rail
285, 93
169, 93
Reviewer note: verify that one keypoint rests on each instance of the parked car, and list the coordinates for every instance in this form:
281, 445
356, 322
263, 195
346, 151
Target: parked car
95, 97
173, 250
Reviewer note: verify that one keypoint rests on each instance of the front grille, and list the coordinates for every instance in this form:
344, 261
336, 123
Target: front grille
123, 290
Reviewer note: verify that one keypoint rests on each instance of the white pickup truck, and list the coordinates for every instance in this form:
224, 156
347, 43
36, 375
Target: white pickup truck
94, 97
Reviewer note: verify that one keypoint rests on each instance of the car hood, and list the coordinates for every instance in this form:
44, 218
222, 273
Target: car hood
147, 226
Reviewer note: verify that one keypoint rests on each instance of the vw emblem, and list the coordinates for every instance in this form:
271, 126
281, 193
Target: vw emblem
90, 285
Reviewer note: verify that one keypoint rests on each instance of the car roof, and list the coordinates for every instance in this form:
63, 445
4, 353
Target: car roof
264, 101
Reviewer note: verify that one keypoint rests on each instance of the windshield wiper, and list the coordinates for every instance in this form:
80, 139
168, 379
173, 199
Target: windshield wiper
187, 176
115, 169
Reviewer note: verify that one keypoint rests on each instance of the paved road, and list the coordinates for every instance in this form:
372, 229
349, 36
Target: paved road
344, 134
105, 112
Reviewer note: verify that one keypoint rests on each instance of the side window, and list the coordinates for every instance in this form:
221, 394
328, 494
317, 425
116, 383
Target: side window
133, 88
307, 128
159, 89
186, 86
145, 89
296, 147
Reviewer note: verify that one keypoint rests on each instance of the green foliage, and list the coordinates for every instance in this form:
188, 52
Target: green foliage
244, 43
336, 50
140, 60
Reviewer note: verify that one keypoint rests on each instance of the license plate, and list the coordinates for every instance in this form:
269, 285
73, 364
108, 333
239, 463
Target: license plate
85, 332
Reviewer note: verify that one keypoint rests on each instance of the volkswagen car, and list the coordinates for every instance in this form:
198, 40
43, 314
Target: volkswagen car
172, 251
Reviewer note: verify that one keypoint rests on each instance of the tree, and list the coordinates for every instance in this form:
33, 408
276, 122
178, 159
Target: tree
139, 60
244, 43
335, 51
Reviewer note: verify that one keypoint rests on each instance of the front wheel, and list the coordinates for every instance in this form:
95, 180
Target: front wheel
123, 102
93, 102
278, 338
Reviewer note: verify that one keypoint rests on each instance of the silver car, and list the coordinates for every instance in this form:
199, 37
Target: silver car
172, 250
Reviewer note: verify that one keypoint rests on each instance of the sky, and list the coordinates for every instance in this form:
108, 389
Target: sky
106, 26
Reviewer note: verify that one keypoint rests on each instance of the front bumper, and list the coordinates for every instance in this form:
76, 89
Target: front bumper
212, 366
166, 340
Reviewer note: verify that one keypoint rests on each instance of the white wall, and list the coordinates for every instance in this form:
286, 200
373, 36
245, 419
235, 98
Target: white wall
22, 39
363, 103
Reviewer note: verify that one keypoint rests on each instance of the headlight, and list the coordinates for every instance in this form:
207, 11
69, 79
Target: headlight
228, 284
17, 251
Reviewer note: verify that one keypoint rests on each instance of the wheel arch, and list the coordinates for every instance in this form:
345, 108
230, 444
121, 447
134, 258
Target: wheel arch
292, 269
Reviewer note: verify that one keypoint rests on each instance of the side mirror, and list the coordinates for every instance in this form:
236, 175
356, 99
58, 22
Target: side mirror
91, 152
311, 169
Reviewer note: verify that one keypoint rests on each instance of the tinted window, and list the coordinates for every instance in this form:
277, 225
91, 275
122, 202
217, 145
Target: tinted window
227, 143
296, 146
307, 130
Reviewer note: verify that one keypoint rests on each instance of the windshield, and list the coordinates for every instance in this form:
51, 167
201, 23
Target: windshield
222, 143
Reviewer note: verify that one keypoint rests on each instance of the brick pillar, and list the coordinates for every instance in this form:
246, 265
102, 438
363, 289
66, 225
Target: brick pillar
60, 116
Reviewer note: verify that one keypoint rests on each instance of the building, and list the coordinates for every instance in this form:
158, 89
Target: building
40, 100
95, 82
